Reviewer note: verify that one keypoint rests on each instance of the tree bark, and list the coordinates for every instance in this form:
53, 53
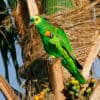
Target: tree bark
56, 79
32, 6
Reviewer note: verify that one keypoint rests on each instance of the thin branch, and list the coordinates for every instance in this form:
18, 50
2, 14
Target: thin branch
3, 12
4, 36
6, 89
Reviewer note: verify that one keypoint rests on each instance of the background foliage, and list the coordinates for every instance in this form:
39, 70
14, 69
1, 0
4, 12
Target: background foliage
8, 35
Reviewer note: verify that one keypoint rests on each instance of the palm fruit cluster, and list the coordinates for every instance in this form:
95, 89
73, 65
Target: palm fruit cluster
72, 91
42, 94
89, 88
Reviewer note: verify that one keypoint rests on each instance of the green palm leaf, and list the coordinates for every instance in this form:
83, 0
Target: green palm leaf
52, 6
8, 35
12, 4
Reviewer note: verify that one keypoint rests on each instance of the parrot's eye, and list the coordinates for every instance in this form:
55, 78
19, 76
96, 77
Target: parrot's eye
37, 20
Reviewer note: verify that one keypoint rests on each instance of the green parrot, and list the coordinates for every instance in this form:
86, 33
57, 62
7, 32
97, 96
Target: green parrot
57, 44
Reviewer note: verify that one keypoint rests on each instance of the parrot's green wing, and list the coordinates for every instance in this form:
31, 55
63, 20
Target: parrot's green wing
65, 43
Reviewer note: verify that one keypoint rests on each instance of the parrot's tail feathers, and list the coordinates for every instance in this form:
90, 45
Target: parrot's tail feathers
74, 71
78, 64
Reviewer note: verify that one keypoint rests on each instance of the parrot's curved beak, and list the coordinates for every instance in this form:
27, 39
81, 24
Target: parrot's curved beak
31, 21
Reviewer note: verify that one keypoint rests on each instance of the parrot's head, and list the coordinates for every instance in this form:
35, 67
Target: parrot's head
36, 20
40, 23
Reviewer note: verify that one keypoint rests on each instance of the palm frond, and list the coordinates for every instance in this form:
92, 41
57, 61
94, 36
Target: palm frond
52, 6
12, 4
8, 35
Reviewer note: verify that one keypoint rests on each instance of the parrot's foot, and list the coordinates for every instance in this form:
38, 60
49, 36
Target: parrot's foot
50, 59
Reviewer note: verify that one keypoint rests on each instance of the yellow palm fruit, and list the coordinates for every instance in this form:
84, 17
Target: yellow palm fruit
36, 97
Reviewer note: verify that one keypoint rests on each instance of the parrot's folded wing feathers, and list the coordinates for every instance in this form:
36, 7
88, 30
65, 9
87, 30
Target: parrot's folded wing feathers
73, 58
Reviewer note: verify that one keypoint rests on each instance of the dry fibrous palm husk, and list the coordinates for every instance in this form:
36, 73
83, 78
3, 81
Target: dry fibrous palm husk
80, 3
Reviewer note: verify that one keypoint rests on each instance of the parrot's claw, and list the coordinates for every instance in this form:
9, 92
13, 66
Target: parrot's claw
50, 59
